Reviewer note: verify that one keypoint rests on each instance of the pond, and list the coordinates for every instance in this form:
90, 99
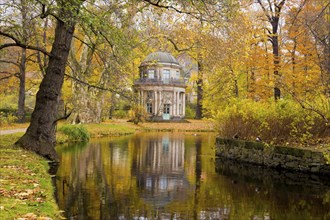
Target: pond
176, 176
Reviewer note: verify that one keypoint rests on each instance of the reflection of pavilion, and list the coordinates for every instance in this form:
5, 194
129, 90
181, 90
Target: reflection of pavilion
160, 170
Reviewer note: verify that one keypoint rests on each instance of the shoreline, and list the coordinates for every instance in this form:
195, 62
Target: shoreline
35, 195
315, 161
26, 189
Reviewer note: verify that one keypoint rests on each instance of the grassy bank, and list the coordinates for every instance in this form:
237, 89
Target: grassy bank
26, 190
67, 133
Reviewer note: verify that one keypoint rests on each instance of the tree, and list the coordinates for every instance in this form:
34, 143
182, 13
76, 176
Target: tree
305, 69
20, 28
272, 13
317, 20
192, 26
99, 63
40, 135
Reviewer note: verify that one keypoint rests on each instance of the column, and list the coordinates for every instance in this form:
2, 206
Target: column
158, 73
140, 96
177, 103
160, 101
174, 104
156, 103
184, 104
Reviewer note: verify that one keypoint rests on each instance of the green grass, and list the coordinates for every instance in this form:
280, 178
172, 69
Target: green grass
25, 185
74, 133
26, 190
102, 130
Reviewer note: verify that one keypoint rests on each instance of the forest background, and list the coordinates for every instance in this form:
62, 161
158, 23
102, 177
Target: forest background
256, 68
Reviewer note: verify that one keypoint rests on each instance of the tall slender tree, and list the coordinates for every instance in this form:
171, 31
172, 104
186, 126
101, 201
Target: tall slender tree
22, 30
272, 11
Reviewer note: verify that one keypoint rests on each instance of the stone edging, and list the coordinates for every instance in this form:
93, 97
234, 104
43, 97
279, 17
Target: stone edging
282, 157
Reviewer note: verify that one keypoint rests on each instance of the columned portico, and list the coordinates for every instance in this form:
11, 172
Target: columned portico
161, 87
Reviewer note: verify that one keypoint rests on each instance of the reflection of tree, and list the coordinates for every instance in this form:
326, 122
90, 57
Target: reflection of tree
152, 176
159, 168
75, 184
198, 174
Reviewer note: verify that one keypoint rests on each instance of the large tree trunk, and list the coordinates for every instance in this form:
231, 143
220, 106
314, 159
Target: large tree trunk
87, 103
40, 135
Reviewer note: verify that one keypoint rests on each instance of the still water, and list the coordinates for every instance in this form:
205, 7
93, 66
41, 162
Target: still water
176, 176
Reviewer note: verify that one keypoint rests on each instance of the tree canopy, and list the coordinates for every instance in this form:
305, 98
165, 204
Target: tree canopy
83, 55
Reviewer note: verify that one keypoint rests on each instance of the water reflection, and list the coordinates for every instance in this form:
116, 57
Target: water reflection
175, 176
159, 169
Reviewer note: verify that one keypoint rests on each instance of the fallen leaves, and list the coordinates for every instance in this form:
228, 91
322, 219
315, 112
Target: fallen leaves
26, 190
32, 216
31, 195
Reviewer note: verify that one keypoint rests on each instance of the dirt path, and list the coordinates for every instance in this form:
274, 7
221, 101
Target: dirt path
191, 125
3, 132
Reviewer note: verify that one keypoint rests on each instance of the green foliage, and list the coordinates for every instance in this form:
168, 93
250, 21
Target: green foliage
7, 118
272, 121
138, 114
102, 130
75, 132
190, 111
120, 113
9, 101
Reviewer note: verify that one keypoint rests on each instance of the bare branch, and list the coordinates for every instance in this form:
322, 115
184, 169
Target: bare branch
11, 62
157, 4
110, 43
298, 12
18, 43
265, 11
309, 107
98, 87
176, 46
63, 118
278, 8
270, 7
198, 16
9, 75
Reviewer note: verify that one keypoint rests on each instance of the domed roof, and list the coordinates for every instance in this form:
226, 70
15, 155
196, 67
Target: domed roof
161, 57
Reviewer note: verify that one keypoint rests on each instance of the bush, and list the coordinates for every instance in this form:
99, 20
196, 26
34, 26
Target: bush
138, 114
75, 132
190, 111
276, 122
7, 118
120, 114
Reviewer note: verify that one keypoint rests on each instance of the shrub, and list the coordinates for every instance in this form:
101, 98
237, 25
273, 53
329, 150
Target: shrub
120, 114
190, 111
272, 121
138, 114
75, 132
7, 118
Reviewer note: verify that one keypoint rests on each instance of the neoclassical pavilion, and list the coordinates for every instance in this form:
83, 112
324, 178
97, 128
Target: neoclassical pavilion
161, 87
